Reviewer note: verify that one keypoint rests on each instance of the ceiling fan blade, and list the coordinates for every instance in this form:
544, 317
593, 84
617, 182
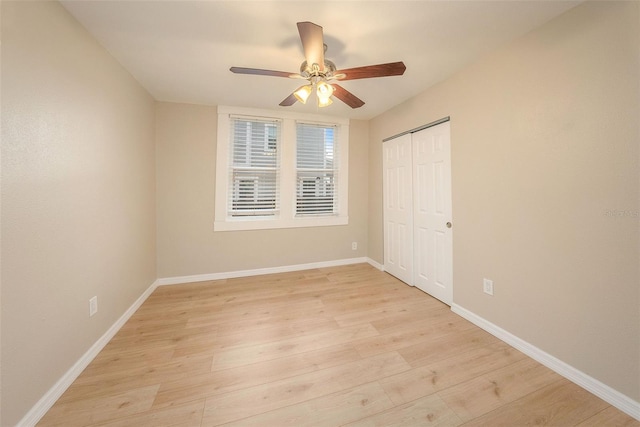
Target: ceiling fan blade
288, 101
347, 97
241, 70
369, 71
312, 43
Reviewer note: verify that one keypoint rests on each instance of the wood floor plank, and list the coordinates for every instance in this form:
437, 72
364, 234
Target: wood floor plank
113, 359
97, 409
218, 382
410, 334
114, 381
226, 322
610, 416
427, 411
425, 380
367, 301
139, 325
327, 411
413, 313
560, 404
176, 336
267, 304
247, 337
220, 296
396, 311
185, 415
208, 315
234, 357
323, 347
483, 394
234, 405
446, 346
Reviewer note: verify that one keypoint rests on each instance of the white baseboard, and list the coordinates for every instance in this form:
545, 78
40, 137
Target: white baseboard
603, 391
375, 264
46, 402
259, 271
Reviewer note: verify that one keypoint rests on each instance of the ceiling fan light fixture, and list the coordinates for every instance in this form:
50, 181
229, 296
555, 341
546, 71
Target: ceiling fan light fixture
324, 92
324, 102
303, 93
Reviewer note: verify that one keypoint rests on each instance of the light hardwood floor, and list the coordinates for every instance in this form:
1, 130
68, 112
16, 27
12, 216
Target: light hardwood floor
326, 347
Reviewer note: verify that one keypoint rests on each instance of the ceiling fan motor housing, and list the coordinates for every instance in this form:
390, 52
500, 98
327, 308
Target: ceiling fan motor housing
307, 71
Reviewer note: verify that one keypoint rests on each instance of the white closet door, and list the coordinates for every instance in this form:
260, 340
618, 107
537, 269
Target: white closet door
398, 209
432, 224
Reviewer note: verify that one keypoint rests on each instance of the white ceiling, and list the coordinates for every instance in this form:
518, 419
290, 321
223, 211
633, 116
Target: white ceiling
181, 51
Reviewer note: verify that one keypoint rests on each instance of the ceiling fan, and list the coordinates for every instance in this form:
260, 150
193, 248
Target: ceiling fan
321, 73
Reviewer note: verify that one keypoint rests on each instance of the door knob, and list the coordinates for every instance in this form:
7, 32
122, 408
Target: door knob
448, 225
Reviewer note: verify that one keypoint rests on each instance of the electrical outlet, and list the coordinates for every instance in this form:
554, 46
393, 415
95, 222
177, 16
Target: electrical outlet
354, 246
93, 306
487, 286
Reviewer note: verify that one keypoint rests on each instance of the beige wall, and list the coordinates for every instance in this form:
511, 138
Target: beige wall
78, 197
545, 143
187, 244
544, 147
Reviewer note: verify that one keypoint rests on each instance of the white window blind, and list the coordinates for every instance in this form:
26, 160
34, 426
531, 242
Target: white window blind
316, 169
254, 167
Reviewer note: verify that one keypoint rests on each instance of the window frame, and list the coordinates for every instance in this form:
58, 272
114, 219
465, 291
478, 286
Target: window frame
287, 176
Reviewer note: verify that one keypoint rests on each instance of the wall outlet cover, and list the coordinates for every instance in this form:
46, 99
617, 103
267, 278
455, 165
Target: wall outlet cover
487, 286
93, 306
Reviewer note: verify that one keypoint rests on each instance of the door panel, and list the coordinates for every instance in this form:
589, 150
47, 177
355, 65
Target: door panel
432, 211
398, 208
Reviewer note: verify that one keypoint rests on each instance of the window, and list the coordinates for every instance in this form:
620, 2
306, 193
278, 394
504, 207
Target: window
253, 168
280, 172
316, 169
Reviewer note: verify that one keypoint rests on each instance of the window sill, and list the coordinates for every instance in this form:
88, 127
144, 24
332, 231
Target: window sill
266, 224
